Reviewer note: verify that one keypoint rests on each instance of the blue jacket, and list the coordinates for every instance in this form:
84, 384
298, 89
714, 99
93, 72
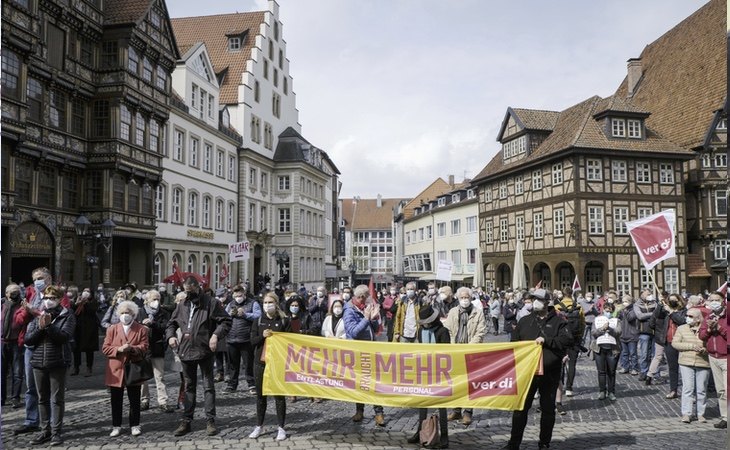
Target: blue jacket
357, 327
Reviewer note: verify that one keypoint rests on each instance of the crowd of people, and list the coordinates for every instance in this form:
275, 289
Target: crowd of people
48, 331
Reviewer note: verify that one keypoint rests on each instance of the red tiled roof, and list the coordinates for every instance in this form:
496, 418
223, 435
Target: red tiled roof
367, 214
435, 189
125, 11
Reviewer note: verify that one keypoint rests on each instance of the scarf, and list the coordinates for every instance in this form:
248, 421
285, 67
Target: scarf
462, 335
151, 312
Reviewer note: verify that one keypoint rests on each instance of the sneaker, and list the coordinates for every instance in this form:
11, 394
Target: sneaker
701, 419
182, 429
721, 424
612, 396
218, 377
26, 429
671, 395
16, 403
623, 371
455, 415
559, 409
252, 390
281, 434
686, 419
380, 420
211, 429
41, 438
602, 395
145, 405
56, 440
568, 393
256, 433
291, 399
136, 431
634, 372
116, 431
357, 417
466, 420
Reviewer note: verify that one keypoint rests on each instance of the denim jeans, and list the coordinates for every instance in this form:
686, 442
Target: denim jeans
51, 385
629, 361
646, 350
694, 387
32, 417
12, 364
190, 373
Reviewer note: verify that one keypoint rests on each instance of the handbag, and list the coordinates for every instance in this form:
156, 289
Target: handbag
430, 434
137, 372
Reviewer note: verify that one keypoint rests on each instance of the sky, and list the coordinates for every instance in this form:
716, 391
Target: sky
401, 92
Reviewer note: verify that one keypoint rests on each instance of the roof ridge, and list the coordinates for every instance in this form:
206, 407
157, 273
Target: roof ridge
587, 116
219, 15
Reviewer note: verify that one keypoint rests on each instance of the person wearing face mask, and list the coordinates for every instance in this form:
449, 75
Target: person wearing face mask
271, 320
590, 312
111, 317
50, 333
222, 365
300, 322
244, 310
333, 325
12, 352
390, 307
644, 310
155, 318
545, 328
134, 294
86, 338
713, 332
446, 301
431, 294
405, 327
127, 340
657, 324
629, 336
608, 297
606, 348
509, 311
203, 322
167, 300
694, 365
671, 316
317, 308
466, 325
526, 309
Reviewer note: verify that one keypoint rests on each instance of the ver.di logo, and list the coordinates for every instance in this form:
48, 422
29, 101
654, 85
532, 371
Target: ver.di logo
491, 373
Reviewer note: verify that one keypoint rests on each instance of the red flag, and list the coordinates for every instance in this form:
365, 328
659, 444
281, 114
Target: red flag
654, 237
576, 284
371, 287
224, 273
206, 280
723, 289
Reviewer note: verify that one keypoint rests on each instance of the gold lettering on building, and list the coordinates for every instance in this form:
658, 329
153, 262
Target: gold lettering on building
201, 234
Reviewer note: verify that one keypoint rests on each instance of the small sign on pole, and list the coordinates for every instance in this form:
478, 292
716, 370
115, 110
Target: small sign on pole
238, 251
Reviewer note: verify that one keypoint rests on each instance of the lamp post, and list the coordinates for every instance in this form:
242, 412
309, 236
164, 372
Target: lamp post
353, 269
282, 260
103, 234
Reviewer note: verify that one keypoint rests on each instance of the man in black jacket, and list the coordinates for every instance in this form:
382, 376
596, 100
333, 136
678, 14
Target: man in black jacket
550, 331
202, 322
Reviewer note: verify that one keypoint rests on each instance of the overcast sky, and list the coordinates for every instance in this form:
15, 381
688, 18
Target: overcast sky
400, 92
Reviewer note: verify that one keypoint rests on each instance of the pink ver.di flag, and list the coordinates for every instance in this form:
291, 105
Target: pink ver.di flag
653, 237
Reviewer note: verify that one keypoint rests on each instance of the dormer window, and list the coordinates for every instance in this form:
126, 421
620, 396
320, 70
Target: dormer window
442, 201
722, 124
618, 128
622, 128
455, 198
470, 193
634, 126
234, 43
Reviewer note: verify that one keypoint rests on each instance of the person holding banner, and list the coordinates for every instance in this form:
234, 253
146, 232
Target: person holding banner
333, 325
466, 325
432, 332
272, 320
362, 321
606, 348
550, 331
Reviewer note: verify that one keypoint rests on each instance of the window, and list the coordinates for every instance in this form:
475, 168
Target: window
47, 187
635, 130
720, 203
706, 161
593, 170
255, 129
118, 188
720, 249
519, 185
643, 172
488, 193
456, 257
284, 220
252, 177
220, 163
133, 197
207, 203
666, 173
643, 212
24, 180
207, 158
56, 41
211, 104
470, 194
203, 101
623, 280
231, 217
456, 226
671, 279
420, 234
536, 180
268, 136
276, 30
441, 229
429, 232
264, 181
35, 98
286, 86
455, 198
160, 197
101, 118
109, 54
620, 216
126, 119
503, 230
537, 222
219, 215
147, 70
618, 171
557, 173
133, 61
441, 256
520, 227
442, 201
177, 195
94, 188
722, 124
234, 43
595, 220
645, 277
10, 73
71, 191
271, 50
139, 130
503, 189
231, 168
86, 51
284, 182
489, 233
58, 109
193, 209
618, 128
154, 136
266, 69
559, 222
276, 78
161, 78
471, 224
179, 146
720, 159
78, 116
276, 105
155, 21
471, 256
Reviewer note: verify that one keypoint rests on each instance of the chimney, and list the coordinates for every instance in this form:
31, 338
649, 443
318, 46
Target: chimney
634, 75
451, 180
379, 203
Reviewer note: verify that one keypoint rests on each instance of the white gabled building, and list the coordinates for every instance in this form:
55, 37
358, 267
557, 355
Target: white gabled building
196, 202
248, 55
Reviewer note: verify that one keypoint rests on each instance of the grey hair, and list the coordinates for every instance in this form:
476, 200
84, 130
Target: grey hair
128, 304
361, 291
463, 289
411, 285
150, 294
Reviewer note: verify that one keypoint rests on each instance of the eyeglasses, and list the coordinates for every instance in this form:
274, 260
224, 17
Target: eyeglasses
50, 298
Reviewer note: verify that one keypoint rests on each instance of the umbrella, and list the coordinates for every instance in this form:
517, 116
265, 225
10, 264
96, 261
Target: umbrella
479, 270
518, 271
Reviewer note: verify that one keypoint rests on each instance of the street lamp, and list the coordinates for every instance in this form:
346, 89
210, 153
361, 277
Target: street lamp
103, 235
282, 260
353, 269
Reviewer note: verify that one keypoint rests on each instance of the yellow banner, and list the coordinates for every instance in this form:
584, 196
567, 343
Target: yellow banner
491, 376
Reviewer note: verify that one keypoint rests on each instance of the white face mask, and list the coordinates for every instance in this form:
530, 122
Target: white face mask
392, 292
337, 310
431, 291
690, 320
410, 293
464, 302
528, 306
269, 308
626, 304
155, 304
50, 304
125, 318
346, 296
537, 305
239, 299
715, 306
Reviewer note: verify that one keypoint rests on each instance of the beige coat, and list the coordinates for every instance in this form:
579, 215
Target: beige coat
685, 340
476, 326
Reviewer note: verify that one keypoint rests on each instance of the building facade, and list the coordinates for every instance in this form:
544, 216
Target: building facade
85, 105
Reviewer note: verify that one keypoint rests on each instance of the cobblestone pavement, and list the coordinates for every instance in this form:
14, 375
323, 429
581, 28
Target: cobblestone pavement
641, 418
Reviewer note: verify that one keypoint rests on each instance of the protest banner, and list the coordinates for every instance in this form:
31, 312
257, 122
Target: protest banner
653, 237
238, 251
493, 376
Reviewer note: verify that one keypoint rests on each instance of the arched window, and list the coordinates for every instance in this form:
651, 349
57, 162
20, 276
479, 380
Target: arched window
192, 263
204, 272
159, 272
193, 209
207, 202
177, 198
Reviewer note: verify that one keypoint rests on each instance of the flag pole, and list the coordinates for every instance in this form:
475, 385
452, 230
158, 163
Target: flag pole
651, 275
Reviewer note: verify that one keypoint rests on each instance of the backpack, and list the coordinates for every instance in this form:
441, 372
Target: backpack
430, 434
572, 315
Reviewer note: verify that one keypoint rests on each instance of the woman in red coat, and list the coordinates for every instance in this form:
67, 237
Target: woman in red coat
126, 340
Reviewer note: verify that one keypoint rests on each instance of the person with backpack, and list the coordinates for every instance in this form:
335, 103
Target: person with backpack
573, 314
